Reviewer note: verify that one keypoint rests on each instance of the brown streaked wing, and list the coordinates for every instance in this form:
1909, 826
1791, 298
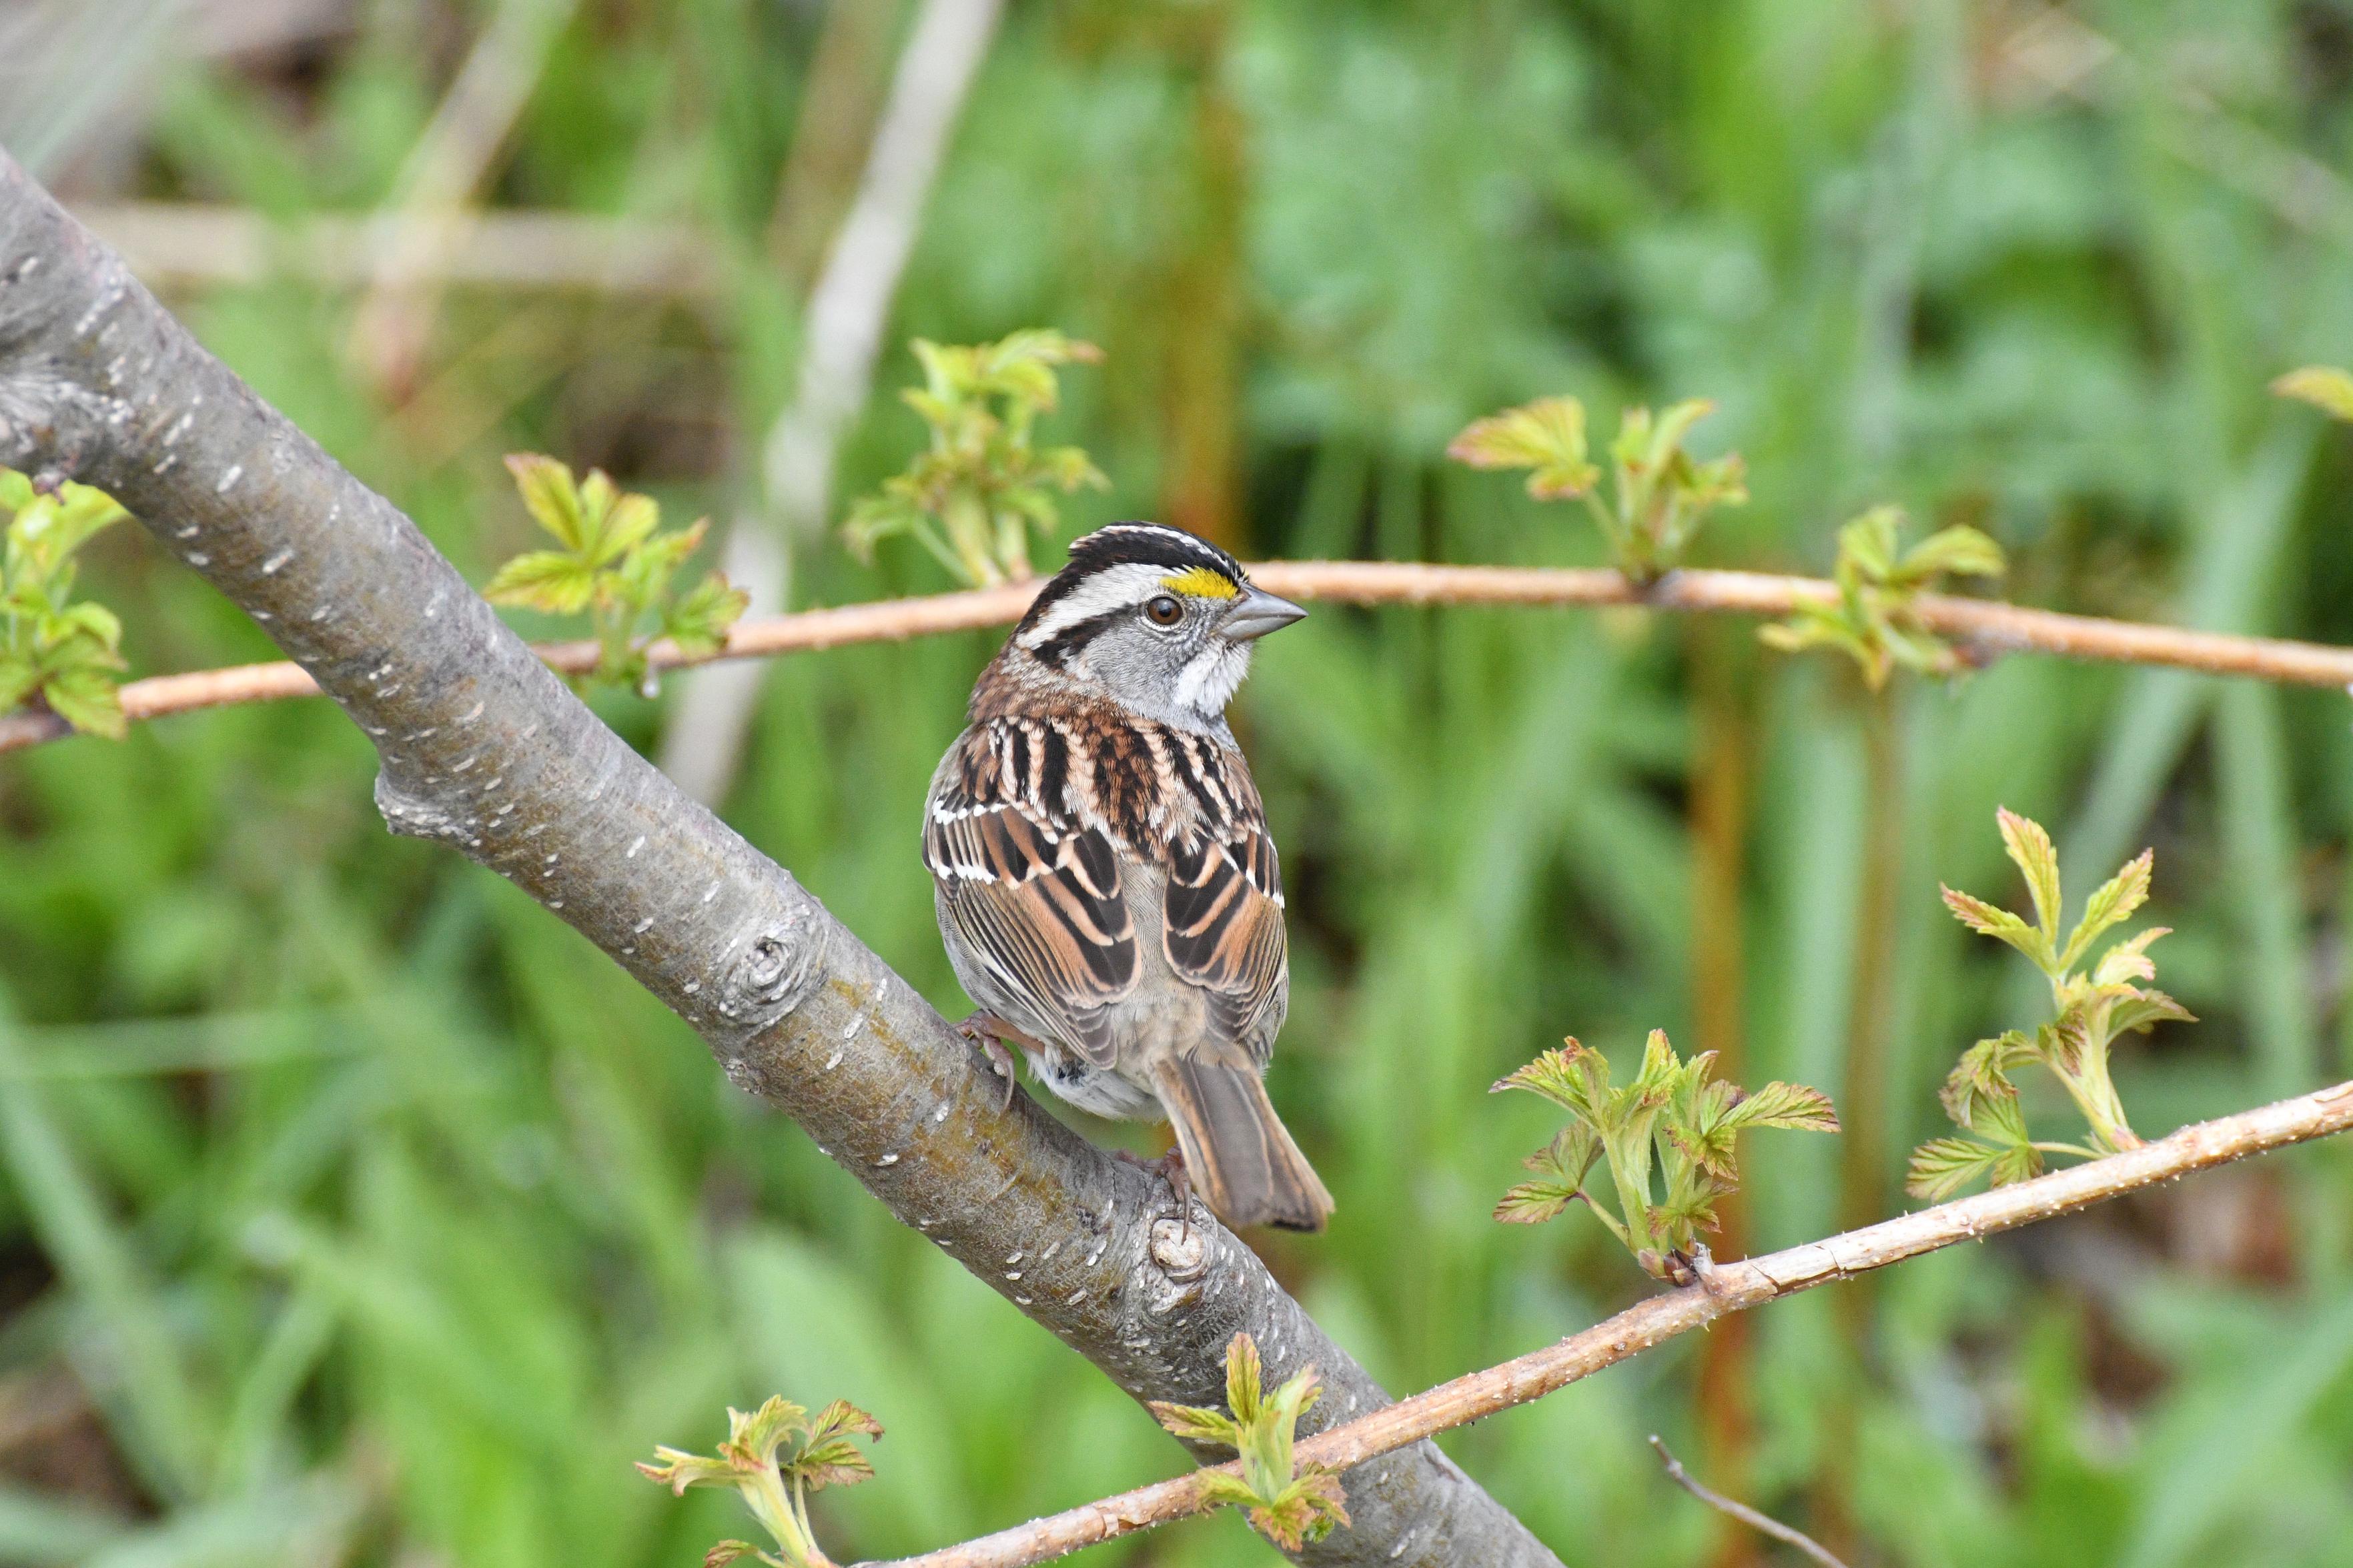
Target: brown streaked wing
1222, 929
1038, 901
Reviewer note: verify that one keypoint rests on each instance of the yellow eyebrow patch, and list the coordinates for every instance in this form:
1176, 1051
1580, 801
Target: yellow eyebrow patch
1202, 583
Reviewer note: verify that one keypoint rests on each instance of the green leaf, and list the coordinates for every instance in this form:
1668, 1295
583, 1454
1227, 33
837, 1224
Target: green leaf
2018, 1161
1979, 1095
2030, 847
2127, 960
1942, 1166
1560, 1168
1568, 1156
699, 622
2111, 905
550, 579
84, 696
550, 497
1655, 1079
1304, 1511
92, 621
1958, 550
1196, 1423
1533, 1203
2327, 388
1867, 544
1244, 1379
1068, 468
1573, 1078
628, 521
2142, 1008
1546, 435
19, 678
1986, 920
1789, 1105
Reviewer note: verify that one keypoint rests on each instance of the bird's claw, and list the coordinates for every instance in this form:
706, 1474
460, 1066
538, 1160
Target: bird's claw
1169, 1168
982, 1031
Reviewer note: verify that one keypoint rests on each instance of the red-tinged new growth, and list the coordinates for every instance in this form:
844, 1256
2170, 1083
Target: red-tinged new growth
1289, 1503
2091, 1007
1671, 1115
1661, 493
775, 1490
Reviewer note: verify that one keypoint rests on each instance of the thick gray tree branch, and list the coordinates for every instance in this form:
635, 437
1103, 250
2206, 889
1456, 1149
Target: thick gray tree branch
485, 750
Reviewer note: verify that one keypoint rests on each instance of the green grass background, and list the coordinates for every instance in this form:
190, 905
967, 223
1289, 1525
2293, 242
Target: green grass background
353, 1210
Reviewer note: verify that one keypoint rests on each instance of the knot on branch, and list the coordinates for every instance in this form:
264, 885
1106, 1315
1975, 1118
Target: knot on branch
412, 817
770, 976
51, 426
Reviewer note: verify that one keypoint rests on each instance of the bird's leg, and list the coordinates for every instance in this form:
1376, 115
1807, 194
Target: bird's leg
989, 1032
1169, 1168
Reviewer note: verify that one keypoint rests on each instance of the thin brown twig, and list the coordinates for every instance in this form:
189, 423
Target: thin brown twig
1763, 1523
1984, 627
1724, 1288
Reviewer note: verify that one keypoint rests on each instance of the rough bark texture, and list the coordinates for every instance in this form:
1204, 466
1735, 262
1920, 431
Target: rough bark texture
486, 750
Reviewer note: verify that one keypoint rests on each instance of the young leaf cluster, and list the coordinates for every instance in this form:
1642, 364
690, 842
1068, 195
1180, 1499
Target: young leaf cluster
1659, 493
1291, 1504
972, 497
614, 561
775, 1489
2092, 1006
64, 653
1873, 619
1673, 1117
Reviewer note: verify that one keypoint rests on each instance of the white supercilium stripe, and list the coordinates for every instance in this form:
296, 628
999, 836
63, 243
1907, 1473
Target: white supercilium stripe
1113, 588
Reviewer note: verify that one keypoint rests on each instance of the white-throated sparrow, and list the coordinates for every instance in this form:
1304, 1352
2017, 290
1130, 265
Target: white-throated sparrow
1105, 883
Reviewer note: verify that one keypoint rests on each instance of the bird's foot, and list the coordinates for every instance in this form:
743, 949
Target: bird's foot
989, 1032
1169, 1168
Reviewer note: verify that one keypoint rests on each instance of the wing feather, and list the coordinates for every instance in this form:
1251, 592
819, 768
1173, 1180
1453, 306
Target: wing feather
1036, 893
1222, 906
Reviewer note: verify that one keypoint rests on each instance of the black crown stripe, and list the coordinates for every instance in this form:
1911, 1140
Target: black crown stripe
1129, 544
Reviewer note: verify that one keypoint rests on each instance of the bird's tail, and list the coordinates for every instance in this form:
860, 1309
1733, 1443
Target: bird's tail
1237, 1150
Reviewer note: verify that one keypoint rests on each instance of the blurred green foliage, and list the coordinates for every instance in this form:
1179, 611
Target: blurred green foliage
614, 560
63, 653
349, 1202
1658, 494
973, 497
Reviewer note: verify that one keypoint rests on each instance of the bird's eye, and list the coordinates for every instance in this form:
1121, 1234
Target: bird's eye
1163, 610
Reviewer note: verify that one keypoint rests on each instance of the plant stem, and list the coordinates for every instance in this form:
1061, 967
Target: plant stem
1725, 1289
1721, 659
1985, 628
1763, 1523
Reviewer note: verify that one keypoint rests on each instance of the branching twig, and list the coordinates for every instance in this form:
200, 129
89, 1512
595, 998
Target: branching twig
1763, 1523
1725, 1288
1984, 627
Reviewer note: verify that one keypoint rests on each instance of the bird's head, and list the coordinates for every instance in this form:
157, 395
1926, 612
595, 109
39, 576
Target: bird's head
1156, 619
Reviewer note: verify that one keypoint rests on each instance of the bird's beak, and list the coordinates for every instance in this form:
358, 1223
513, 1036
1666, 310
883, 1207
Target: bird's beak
1259, 613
